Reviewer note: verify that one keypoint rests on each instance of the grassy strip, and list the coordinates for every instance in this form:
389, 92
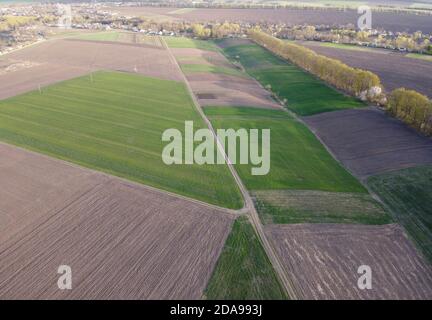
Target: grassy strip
113, 122
243, 271
408, 193
296, 206
419, 56
182, 42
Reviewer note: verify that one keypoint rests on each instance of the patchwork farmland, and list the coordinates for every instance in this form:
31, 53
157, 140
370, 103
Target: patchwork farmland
287, 210
288, 82
86, 121
214, 80
83, 182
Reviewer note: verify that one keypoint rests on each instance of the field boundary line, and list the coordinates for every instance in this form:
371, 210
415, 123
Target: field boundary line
24, 47
248, 202
236, 213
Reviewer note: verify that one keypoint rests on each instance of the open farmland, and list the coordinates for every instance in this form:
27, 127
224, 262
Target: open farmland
122, 240
298, 159
299, 90
291, 16
187, 43
408, 193
369, 142
308, 206
62, 59
121, 37
244, 270
323, 260
395, 69
214, 80
113, 122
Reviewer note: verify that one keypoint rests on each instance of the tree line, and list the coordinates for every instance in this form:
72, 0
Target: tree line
409, 106
412, 108
357, 82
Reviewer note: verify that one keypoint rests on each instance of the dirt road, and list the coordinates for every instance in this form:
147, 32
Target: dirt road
249, 207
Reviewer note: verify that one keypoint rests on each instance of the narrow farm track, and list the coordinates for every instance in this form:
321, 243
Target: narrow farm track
249, 207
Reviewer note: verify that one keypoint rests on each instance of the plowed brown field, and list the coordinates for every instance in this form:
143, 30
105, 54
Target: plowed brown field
122, 240
323, 260
369, 142
217, 89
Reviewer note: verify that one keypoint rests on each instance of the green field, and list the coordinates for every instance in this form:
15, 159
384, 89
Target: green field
298, 160
192, 68
113, 122
182, 42
300, 91
408, 193
118, 36
243, 270
99, 36
306, 206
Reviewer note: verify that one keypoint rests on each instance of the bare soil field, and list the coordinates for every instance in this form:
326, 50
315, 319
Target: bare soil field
324, 258
393, 68
217, 89
64, 59
122, 240
191, 55
389, 21
369, 142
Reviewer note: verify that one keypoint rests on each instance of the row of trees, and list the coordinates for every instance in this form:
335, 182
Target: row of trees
217, 30
8, 23
355, 81
413, 108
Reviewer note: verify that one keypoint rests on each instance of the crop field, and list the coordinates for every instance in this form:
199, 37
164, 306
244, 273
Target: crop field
62, 59
243, 271
323, 260
307, 206
121, 37
122, 240
182, 42
203, 68
217, 82
300, 91
408, 193
298, 159
291, 16
113, 122
394, 69
369, 142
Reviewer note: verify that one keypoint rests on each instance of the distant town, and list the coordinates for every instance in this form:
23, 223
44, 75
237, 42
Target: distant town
21, 25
